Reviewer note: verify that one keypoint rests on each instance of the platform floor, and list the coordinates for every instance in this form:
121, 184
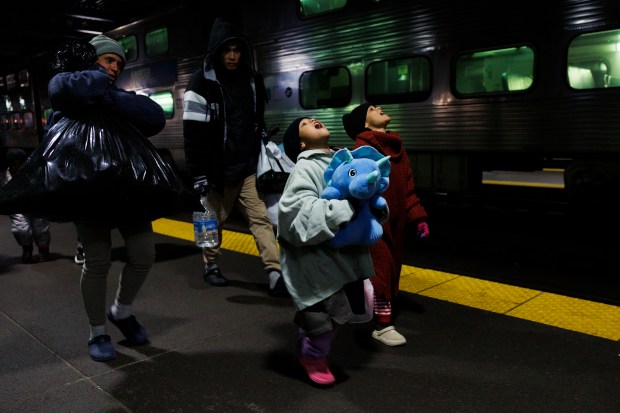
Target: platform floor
231, 349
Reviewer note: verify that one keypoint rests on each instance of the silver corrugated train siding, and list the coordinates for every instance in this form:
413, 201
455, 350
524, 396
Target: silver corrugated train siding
538, 121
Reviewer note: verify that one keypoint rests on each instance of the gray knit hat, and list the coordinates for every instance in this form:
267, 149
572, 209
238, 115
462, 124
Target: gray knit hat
354, 122
103, 44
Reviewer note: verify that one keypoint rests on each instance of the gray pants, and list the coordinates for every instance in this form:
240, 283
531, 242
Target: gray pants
97, 242
27, 229
244, 196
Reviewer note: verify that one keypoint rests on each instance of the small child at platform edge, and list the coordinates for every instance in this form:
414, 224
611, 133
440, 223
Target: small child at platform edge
325, 283
367, 125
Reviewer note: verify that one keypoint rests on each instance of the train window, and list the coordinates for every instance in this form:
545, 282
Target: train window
325, 88
309, 8
398, 80
594, 60
130, 45
10, 81
28, 119
157, 42
494, 71
24, 78
16, 121
165, 100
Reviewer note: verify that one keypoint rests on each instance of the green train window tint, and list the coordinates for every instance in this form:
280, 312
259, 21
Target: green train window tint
495, 71
47, 112
165, 100
398, 80
593, 60
157, 42
130, 46
309, 8
325, 88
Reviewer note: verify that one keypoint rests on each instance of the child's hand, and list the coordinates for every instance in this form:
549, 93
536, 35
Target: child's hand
423, 230
201, 185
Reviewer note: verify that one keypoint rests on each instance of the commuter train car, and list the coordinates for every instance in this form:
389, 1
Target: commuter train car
18, 111
517, 104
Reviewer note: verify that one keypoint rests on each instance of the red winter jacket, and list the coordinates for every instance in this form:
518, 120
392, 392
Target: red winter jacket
405, 208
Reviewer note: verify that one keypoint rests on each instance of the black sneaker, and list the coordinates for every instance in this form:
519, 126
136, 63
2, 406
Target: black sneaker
27, 254
214, 277
79, 256
279, 289
131, 329
44, 254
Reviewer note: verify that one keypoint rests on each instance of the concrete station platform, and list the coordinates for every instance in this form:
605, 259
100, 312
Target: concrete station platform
231, 349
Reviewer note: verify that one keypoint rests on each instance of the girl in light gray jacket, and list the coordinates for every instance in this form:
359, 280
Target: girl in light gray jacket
325, 283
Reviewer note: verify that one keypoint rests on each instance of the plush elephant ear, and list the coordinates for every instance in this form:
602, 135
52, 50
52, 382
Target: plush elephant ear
370, 152
366, 151
340, 157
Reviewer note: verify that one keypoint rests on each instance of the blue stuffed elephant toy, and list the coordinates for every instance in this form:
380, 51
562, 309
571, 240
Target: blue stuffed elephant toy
360, 176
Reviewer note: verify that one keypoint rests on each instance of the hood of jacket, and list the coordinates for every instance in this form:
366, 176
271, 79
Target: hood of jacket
221, 32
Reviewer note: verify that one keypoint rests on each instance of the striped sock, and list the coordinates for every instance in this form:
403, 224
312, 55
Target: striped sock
383, 310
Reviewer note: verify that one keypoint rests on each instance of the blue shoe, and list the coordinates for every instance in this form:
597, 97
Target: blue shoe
131, 329
101, 348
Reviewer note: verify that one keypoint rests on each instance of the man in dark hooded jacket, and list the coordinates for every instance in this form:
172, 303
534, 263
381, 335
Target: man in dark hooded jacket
223, 124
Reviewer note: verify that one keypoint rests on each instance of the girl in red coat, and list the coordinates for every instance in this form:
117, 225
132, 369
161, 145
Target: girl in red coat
367, 124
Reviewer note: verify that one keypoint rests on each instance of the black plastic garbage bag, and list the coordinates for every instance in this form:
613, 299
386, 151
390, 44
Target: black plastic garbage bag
96, 169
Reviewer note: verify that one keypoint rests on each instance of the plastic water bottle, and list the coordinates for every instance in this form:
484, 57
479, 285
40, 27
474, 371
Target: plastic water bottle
205, 225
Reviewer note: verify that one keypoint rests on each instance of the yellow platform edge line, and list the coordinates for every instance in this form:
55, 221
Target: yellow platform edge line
520, 183
581, 316
231, 240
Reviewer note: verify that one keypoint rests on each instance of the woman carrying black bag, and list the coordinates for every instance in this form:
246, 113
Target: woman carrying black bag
111, 177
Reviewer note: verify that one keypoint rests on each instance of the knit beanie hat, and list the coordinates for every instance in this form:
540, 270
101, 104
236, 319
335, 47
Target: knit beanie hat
103, 44
354, 122
291, 140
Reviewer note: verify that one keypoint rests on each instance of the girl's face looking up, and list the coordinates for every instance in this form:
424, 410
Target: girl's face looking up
313, 134
376, 118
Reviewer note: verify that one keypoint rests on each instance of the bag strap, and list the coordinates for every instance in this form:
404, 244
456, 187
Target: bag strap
279, 164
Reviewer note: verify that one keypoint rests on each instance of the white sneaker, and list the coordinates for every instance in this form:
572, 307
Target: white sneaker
79, 256
389, 336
